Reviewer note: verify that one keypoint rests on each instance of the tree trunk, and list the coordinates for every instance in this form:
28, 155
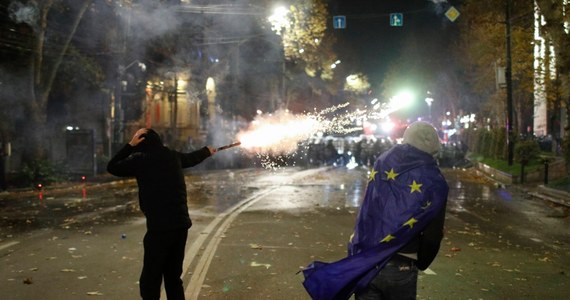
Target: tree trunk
43, 75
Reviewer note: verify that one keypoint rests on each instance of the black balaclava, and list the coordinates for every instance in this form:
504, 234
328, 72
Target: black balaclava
151, 141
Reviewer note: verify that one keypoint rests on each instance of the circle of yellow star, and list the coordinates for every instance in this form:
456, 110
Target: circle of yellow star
426, 205
387, 238
372, 174
415, 187
391, 175
410, 223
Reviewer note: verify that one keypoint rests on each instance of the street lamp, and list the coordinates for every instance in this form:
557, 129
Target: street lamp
117, 112
429, 100
401, 100
279, 20
279, 23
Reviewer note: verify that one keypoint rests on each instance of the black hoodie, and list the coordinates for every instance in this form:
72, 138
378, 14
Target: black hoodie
159, 174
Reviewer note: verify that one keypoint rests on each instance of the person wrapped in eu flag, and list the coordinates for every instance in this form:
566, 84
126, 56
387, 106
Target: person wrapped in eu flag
399, 227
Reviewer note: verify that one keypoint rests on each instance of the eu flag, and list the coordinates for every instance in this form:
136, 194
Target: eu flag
406, 190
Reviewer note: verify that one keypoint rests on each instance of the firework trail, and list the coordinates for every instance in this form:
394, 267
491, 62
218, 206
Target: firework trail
274, 137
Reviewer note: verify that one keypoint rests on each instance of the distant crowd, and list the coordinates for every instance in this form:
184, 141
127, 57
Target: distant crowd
332, 151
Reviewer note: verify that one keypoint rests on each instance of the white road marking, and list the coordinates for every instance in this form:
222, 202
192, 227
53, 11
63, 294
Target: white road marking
8, 245
192, 291
199, 274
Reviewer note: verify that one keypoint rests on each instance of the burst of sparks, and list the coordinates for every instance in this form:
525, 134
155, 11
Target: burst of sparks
278, 133
274, 137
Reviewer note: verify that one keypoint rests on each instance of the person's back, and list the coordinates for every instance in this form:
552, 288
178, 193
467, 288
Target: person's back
399, 226
408, 192
162, 190
162, 197
396, 197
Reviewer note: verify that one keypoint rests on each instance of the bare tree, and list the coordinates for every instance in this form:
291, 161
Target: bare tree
44, 68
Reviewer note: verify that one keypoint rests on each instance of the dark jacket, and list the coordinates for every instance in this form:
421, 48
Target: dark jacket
159, 174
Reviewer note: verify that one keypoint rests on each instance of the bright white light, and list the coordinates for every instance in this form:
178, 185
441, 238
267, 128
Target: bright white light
374, 101
352, 164
278, 19
352, 79
337, 62
181, 84
402, 100
357, 83
210, 85
301, 50
387, 126
69, 128
259, 112
333, 66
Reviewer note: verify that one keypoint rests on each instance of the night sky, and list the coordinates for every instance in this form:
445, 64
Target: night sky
369, 43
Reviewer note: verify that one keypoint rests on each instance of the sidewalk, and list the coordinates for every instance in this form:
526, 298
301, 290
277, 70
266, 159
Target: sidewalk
552, 195
537, 190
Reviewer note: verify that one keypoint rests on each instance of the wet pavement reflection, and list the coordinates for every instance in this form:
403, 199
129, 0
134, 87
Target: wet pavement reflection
498, 239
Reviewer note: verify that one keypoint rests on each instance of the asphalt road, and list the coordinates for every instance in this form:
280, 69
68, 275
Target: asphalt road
255, 229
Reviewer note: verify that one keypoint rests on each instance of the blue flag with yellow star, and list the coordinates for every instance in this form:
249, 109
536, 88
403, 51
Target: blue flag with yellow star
406, 190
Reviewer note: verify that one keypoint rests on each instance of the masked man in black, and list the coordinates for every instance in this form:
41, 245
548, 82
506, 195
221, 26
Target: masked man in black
162, 198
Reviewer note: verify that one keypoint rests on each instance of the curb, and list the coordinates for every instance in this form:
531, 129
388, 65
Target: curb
552, 195
59, 188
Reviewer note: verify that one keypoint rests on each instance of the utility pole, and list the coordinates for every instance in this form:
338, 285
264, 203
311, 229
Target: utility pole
508, 78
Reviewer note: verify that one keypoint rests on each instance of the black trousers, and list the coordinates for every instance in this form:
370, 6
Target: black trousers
396, 281
163, 258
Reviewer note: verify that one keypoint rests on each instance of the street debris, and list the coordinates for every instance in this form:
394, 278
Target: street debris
67, 270
544, 259
255, 264
256, 246
96, 293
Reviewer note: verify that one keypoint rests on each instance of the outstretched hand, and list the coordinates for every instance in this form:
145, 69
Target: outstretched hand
212, 150
137, 137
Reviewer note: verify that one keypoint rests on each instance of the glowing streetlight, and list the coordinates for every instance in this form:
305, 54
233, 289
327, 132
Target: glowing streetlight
429, 101
279, 19
402, 100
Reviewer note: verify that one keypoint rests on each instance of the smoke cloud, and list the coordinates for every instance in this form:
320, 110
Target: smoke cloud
150, 22
21, 13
